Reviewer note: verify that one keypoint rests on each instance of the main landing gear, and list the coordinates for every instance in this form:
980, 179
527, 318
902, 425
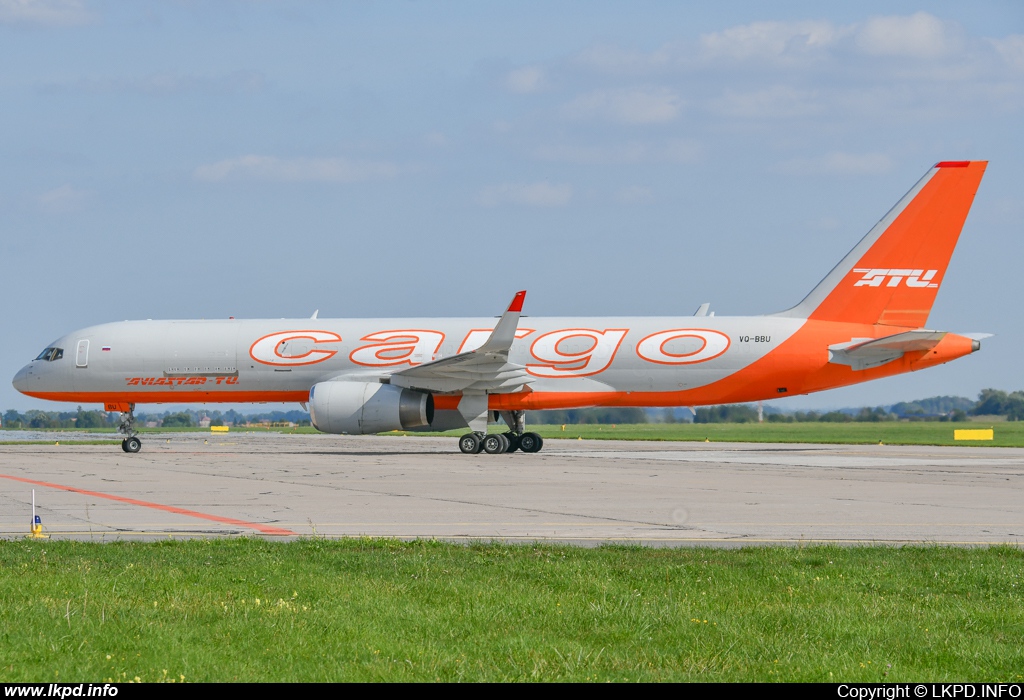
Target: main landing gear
499, 443
131, 443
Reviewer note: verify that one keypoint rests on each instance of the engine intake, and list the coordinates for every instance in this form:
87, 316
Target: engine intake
360, 408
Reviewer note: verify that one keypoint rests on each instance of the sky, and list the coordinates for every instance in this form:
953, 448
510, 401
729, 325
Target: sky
179, 159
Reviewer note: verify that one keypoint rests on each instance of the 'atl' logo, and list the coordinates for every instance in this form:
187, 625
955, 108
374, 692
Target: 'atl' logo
915, 278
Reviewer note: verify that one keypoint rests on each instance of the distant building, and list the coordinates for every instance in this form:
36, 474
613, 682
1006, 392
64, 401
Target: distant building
204, 422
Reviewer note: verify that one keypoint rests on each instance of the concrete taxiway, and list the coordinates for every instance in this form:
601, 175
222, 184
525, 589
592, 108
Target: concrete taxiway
667, 494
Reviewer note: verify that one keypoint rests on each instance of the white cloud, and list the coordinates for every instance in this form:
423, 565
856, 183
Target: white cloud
840, 163
61, 200
1011, 50
772, 41
671, 151
269, 168
920, 35
526, 79
44, 12
792, 44
536, 194
881, 69
640, 105
760, 40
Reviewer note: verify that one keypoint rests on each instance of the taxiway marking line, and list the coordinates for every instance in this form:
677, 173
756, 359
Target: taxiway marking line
265, 529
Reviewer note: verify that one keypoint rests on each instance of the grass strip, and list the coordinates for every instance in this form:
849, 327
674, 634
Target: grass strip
1006, 434
385, 610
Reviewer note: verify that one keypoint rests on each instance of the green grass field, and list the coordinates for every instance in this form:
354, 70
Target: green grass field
1007, 434
371, 610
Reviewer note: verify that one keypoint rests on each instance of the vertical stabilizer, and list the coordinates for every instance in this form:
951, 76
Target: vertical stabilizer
892, 276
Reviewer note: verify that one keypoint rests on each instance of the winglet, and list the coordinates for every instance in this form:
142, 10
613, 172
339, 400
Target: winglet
517, 302
500, 340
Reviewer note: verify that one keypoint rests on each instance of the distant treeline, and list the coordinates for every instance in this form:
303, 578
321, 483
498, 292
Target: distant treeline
167, 419
191, 418
741, 413
577, 416
59, 419
991, 402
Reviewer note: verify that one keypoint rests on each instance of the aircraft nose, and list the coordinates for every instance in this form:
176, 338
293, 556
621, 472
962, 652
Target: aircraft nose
21, 379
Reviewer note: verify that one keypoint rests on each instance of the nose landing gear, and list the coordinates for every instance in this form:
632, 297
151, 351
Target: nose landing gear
131, 443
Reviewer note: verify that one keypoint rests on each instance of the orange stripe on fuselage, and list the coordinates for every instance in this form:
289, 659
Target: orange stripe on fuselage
174, 396
800, 365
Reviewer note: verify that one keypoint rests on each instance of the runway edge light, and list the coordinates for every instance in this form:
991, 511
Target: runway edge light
36, 527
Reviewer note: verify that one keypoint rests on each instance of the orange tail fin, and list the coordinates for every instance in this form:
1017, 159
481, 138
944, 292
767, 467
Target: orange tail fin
892, 276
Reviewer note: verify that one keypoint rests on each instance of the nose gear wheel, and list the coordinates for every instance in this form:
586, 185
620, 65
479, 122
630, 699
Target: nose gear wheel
131, 443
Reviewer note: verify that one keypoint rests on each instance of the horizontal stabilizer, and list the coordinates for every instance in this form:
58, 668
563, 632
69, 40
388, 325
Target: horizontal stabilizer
863, 353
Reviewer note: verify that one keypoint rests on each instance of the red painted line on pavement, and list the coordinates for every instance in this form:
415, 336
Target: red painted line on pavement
265, 529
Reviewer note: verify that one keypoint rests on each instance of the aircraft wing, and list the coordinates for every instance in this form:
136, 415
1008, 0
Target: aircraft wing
862, 353
485, 369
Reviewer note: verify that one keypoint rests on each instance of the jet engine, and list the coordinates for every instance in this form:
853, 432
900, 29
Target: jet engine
359, 408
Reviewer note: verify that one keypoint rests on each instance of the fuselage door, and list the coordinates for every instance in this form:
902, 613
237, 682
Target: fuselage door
82, 357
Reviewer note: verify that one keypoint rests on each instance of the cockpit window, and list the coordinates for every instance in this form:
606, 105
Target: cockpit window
51, 354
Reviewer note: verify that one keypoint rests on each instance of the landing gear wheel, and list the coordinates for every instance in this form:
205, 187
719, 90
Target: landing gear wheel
469, 443
130, 444
495, 444
513, 441
530, 442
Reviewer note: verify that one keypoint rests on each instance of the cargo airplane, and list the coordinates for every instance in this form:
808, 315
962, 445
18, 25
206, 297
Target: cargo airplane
865, 320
